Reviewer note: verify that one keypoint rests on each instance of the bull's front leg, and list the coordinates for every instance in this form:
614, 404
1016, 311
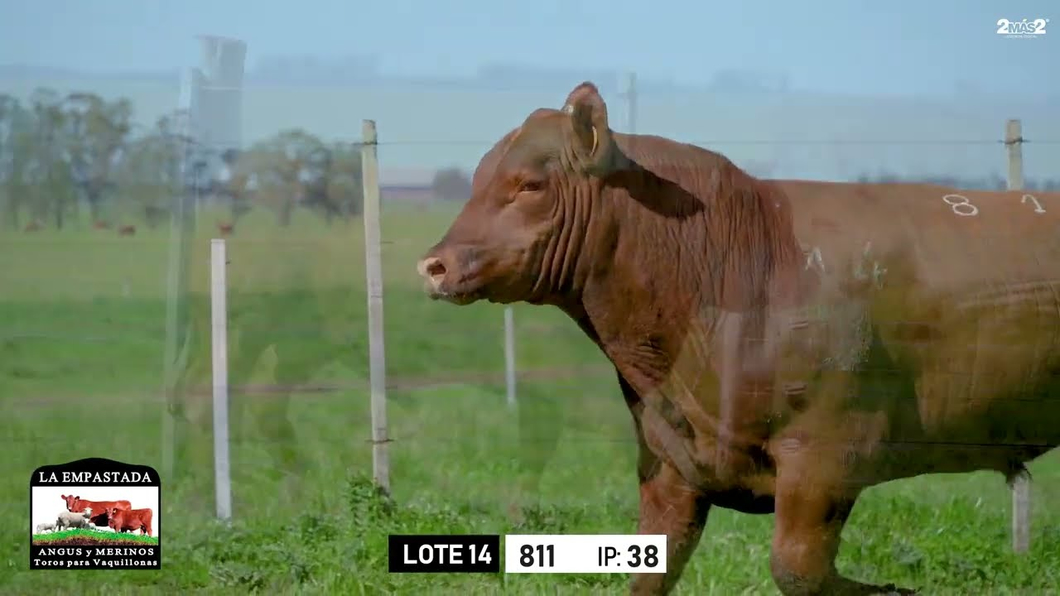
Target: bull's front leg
668, 505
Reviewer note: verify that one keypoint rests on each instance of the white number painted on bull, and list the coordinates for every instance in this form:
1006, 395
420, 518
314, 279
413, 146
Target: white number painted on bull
814, 258
1037, 206
969, 210
877, 271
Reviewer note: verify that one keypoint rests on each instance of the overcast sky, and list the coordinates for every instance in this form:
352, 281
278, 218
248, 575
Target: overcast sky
828, 45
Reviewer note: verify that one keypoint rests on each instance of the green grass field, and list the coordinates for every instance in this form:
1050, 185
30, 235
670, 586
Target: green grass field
82, 338
66, 536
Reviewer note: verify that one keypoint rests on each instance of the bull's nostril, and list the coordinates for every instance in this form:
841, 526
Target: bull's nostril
431, 268
435, 268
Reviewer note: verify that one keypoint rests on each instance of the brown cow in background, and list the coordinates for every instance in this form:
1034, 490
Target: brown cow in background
781, 345
99, 509
127, 230
130, 520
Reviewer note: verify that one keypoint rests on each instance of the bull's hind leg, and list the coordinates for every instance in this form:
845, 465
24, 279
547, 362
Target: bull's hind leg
811, 511
192, 457
272, 421
539, 435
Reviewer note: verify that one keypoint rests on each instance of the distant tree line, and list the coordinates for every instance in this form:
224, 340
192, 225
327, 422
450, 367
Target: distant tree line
454, 184
990, 182
60, 153
451, 184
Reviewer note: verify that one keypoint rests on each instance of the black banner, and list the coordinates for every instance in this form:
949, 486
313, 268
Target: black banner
95, 513
444, 553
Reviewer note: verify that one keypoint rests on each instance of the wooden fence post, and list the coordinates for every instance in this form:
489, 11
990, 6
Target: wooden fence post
1021, 485
374, 273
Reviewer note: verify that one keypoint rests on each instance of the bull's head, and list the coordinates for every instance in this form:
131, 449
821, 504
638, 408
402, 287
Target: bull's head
521, 235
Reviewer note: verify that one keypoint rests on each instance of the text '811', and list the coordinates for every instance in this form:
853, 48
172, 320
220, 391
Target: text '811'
585, 553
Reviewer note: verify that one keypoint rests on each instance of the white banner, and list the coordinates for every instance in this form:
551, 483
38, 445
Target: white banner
585, 553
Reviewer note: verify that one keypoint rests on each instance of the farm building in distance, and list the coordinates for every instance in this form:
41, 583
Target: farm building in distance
405, 185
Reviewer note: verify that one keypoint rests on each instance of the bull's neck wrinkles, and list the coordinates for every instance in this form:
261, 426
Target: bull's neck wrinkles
568, 243
573, 250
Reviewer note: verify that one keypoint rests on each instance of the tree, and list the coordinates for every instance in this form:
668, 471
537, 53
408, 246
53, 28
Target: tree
278, 167
339, 191
236, 184
313, 178
451, 184
147, 171
296, 168
15, 132
990, 182
96, 132
48, 172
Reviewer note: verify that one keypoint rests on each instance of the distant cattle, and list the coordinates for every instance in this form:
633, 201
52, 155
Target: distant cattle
68, 519
45, 527
130, 520
781, 345
226, 229
33, 226
77, 504
101, 225
127, 230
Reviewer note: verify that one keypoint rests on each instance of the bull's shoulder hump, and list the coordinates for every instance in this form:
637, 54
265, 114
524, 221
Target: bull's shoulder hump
651, 150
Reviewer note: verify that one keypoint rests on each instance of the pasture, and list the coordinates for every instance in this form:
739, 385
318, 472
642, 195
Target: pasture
82, 336
93, 537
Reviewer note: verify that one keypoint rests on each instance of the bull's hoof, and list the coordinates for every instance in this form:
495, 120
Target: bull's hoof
893, 590
848, 587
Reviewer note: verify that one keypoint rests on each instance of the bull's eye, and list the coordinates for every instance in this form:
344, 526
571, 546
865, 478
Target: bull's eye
531, 186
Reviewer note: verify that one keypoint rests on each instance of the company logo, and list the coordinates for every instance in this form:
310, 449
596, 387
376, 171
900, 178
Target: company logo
95, 514
1024, 28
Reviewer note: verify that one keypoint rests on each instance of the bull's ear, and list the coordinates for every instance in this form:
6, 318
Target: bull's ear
591, 137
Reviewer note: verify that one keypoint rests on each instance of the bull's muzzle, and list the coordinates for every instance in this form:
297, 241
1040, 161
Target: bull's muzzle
451, 274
